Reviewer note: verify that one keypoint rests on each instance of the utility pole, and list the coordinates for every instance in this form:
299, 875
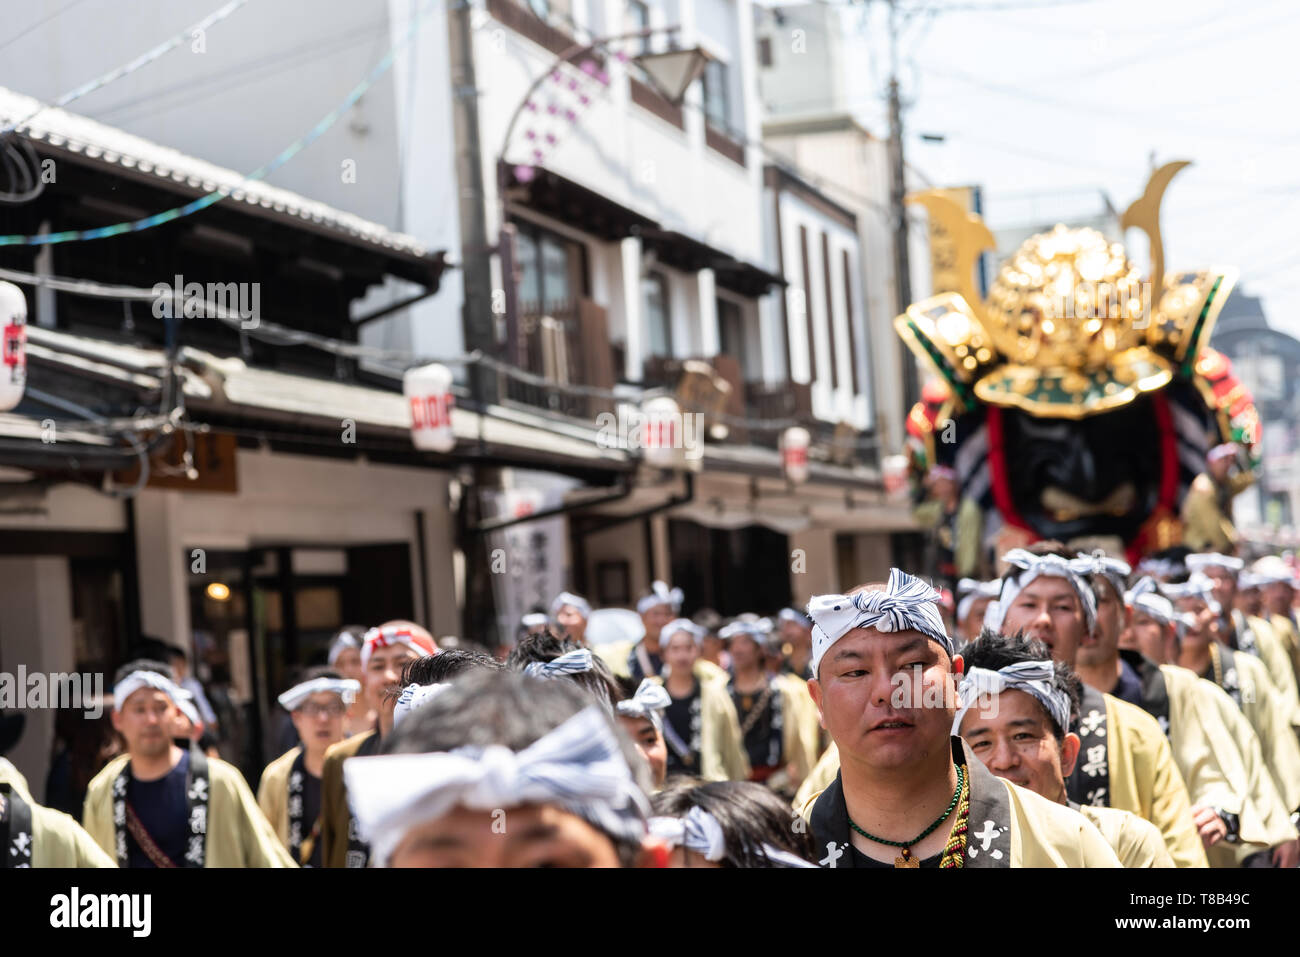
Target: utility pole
898, 210
477, 322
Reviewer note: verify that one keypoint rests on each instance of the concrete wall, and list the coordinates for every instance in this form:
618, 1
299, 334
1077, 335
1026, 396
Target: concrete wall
36, 631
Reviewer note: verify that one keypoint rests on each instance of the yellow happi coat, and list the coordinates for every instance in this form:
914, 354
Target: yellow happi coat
1273, 652
57, 839
1137, 843
273, 793
1269, 714
722, 749
238, 835
802, 728
1284, 628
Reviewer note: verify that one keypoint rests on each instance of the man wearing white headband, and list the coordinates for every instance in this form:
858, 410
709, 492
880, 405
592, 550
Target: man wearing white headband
777, 723
289, 793
1241, 676
504, 770
642, 718
1047, 594
973, 599
1247, 633
160, 805
1015, 709
1217, 751
796, 640
571, 613
727, 824
1207, 506
344, 656
1279, 609
548, 657
657, 608
700, 727
909, 793
384, 652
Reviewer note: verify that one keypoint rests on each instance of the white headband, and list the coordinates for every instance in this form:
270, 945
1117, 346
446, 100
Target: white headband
534, 619
1042, 566
570, 663
651, 697
578, 766
1198, 586
758, 630
414, 697
660, 595
1031, 677
796, 616
1157, 606
341, 643
568, 598
907, 603
1161, 567
975, 590
682, 624
187, 708
1098, 562
345, 688
147, 679
700, 832
1199, 561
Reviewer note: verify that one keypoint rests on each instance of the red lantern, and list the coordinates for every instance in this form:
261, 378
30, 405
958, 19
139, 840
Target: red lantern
428, 394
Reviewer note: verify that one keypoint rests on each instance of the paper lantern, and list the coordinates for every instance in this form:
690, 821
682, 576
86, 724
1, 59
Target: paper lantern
13, 322
661, 433
428, 393
794, 454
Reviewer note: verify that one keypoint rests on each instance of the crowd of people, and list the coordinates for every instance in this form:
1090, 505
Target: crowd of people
1072, 713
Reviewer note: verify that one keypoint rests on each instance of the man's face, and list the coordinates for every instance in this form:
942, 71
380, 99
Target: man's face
383, 672
1277, 596
146, 720
574, 625
319, 721
711, 648
532, 835
974, 620
1206, 625
746, 653
1048, 609
1148, 636
855, 694
1250, 600
793, 633
1225, 585
1013, 737
1110, 621
680, 653
348, 663
651, 745
654, 620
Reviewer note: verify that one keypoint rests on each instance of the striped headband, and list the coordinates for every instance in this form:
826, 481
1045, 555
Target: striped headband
650, 699
1098, 562
390, 635
972, 590
570, 663
699, 831
577, 766
414, 697
1198, 586
1031, 677
907, 603
345, 688
1033, 566
796, 616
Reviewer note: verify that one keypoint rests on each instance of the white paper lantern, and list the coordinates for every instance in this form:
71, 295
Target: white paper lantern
428, 393
794, 454
661, 434
13, 325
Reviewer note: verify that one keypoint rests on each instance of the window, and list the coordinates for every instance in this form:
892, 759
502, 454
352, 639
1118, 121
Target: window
731, 332
830, 308
658, 320
717, 109
552, 271
638, 18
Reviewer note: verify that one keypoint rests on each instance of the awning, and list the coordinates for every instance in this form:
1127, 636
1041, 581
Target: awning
575, 205
690, 255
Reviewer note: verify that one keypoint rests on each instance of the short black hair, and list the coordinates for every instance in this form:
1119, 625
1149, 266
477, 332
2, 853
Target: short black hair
445, 666
749, 814
547, 646
995, 651
143, 664
508, 709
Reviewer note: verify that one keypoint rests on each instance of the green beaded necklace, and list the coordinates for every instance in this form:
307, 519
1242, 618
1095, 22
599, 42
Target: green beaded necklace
907, 860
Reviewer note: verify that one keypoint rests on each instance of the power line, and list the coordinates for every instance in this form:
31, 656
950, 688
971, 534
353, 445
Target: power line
62, 10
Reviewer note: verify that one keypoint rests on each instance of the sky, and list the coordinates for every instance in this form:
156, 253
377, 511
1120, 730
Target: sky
1068, 96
